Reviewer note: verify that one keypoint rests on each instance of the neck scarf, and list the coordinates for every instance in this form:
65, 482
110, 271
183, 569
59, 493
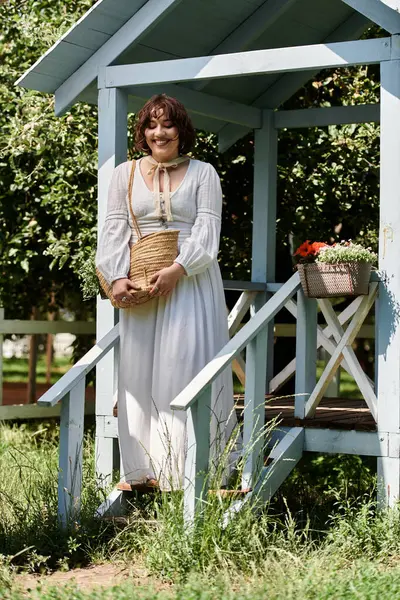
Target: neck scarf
155, 170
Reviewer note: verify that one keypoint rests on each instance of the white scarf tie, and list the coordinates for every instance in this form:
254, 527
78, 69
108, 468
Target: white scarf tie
155, 170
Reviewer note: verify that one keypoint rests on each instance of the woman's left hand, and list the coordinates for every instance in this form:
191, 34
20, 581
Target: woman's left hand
165, 280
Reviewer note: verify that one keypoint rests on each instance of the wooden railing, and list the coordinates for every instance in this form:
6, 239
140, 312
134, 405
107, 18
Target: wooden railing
195, 399
70, 389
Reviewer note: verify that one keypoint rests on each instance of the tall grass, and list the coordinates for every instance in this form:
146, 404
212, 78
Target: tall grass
277, 540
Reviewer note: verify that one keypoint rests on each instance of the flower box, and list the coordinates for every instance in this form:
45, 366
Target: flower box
323, 280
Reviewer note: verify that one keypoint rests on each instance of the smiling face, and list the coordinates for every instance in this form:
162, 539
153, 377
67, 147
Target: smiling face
162, 137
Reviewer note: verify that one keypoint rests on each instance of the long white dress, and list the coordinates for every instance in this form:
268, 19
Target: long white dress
167, 341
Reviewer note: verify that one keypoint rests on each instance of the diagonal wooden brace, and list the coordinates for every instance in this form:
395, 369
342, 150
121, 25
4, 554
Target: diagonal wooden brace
363, 382
337, 357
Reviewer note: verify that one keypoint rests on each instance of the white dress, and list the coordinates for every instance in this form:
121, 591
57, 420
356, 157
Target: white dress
167, 341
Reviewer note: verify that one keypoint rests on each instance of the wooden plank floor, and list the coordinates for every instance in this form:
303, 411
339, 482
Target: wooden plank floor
332, 413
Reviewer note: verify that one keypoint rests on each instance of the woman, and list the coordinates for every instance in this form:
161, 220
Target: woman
167, 341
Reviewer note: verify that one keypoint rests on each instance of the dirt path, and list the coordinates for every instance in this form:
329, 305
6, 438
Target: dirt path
105, 575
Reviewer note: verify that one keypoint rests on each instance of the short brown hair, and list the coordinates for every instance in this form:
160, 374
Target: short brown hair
173, 111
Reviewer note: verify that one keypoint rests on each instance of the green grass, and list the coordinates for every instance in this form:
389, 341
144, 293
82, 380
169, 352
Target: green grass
16, 369
321, 534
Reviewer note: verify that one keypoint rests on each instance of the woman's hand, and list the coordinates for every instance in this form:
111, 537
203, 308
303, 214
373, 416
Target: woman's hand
165, 280
123, 288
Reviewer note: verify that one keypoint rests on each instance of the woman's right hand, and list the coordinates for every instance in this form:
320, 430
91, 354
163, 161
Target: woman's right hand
123, 288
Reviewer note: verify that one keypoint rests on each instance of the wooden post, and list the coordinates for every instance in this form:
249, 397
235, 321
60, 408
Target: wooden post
70, 457
388, 339
1, 357
306, 351
197, 455
113, 114
33, 348
259, 353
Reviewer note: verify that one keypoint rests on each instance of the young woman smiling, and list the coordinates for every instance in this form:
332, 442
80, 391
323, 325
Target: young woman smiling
167, 341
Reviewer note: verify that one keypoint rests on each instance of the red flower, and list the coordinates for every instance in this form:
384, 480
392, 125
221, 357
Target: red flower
305, 249
308, 249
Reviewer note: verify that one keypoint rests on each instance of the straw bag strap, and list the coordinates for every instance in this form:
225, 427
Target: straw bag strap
130, 186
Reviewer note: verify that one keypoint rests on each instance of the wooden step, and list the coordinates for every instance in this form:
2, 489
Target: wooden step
149, 486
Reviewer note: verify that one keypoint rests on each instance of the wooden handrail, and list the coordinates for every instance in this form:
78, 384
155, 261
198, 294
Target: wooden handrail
80, 369
195, 388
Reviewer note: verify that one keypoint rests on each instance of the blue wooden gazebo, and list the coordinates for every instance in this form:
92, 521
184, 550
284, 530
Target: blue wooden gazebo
233, 63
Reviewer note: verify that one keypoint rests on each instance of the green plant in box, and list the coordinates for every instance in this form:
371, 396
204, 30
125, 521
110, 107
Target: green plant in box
341, 269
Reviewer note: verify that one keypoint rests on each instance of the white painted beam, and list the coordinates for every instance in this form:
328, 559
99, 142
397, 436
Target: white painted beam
70, 453
321, 117
132, 32
285, 457
337, 356
257, 62
251, 29
259, 352
207, 105
306, 352
334, 441
113, 146
288, 84
381, 13
388, 312
365, 386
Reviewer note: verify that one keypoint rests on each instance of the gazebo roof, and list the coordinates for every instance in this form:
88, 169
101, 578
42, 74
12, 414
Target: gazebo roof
115, 32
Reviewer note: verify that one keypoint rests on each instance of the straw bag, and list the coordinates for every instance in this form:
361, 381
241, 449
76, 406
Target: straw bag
149, 254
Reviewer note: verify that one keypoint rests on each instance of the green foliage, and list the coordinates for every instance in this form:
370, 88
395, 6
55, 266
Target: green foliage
48, 169
327, 178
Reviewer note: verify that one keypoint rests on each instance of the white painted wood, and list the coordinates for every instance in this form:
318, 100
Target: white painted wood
333, 115
113, 505
70, 457
197, 455
239, 368
249, 286
379, 12
237, 313
21, 327
80, 369
1, 356
207, 105
389, 289
251, 29
254, 409
323, 340
230, 351
337, 441
259, 353
333, 389
365, 386
388, 482
107, 427
256, 62
113, 115
337, 356
306, 352
24, 412
287, 85
285, 457
131, 32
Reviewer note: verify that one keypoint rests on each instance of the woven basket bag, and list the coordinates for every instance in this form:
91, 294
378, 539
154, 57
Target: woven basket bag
149, 254
321, 280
